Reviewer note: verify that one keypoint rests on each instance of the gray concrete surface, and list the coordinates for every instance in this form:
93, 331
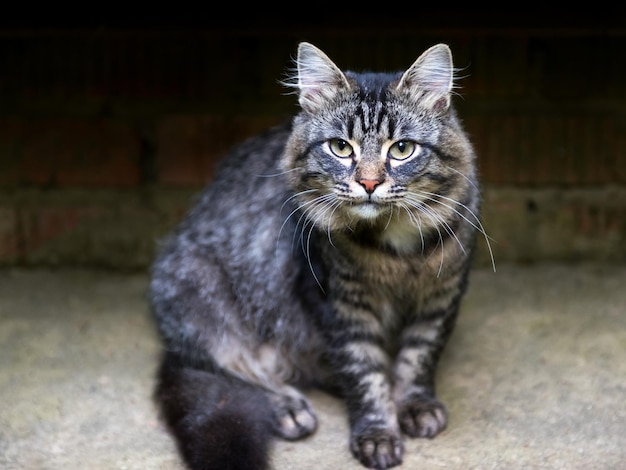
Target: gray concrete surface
534, 376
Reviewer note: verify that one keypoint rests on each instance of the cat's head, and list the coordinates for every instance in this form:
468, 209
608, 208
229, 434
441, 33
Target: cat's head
368, 148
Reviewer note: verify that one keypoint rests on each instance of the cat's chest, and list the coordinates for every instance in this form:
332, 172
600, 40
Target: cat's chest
386, 274
396, 276
401, 238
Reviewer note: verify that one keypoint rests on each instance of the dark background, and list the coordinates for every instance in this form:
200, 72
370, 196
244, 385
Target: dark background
111, 120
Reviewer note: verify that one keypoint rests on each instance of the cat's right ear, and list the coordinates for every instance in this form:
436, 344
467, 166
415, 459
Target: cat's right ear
430, 79
319, 80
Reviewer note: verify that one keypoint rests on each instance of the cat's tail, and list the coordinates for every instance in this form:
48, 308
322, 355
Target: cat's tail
219, 422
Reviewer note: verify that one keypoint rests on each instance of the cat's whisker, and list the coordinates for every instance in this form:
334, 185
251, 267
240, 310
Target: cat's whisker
433, 218
390, 216
298, 231
293, 237
415, 220
298, 208
295, 196
319, 214
433, 197
478, 225
306, 221
321, 208
307, 254
437, 220
313, 217
436, 217
460, 173
272, 175
444, 223
335, 205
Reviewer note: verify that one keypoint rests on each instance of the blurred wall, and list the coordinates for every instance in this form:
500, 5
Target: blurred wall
107, 129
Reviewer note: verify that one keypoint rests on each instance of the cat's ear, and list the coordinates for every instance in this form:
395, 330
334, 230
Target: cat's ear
430, 79
318, 78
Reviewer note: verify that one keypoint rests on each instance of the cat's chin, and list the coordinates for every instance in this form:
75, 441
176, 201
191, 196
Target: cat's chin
367, 210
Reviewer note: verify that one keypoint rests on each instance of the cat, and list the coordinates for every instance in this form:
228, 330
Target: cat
331, 251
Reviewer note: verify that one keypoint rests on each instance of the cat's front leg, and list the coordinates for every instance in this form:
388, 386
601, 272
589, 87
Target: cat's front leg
363, 369
420, 413
375, 438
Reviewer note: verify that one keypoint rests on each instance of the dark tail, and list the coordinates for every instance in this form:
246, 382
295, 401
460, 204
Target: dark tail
219, 422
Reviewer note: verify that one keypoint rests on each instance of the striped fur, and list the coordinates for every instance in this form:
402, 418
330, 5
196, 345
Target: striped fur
332, 251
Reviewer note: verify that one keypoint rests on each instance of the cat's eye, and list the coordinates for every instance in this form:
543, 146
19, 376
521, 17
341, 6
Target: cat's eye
340, 148
402, 149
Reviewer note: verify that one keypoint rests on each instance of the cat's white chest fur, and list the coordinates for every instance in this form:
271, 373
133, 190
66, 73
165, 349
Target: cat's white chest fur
402, 234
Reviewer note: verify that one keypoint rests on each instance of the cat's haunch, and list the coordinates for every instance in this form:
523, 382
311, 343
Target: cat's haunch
332, 251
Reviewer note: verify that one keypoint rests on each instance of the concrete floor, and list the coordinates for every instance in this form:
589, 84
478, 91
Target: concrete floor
534, 376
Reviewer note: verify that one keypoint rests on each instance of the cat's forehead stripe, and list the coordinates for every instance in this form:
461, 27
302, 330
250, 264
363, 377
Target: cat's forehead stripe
350, 125
364, 114
370, 118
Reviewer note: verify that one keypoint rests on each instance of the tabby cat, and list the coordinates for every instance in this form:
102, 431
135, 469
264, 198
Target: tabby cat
331, 252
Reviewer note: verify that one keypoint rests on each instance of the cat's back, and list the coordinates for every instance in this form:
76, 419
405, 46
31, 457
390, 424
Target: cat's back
240, 221
238, 230
250, 166
247, 186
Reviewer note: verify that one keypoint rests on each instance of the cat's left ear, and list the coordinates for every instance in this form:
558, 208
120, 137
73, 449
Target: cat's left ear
319, 79
430, 79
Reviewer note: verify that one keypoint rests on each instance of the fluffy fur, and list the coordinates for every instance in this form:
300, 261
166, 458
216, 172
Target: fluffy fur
332, 251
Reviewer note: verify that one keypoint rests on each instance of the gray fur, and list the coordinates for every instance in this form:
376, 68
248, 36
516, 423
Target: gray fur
299, 267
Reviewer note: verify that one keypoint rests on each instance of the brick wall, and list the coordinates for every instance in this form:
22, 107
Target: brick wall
105, 135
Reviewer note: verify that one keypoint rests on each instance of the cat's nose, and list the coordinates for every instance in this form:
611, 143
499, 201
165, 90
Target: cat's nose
369, 184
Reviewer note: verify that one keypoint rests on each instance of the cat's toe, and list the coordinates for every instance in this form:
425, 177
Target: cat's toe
294, 418
378, 448
422, 417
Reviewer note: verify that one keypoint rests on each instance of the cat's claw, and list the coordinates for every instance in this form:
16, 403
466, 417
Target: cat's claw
422, 418
379, 449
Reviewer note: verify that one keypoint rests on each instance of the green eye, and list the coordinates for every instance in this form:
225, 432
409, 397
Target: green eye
402, 149
340, 148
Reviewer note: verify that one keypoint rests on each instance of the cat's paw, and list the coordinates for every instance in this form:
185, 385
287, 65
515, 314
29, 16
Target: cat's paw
422, 417
377, 448
294, 417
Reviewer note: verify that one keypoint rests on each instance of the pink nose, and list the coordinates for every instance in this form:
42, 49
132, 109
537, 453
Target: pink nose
369, 185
